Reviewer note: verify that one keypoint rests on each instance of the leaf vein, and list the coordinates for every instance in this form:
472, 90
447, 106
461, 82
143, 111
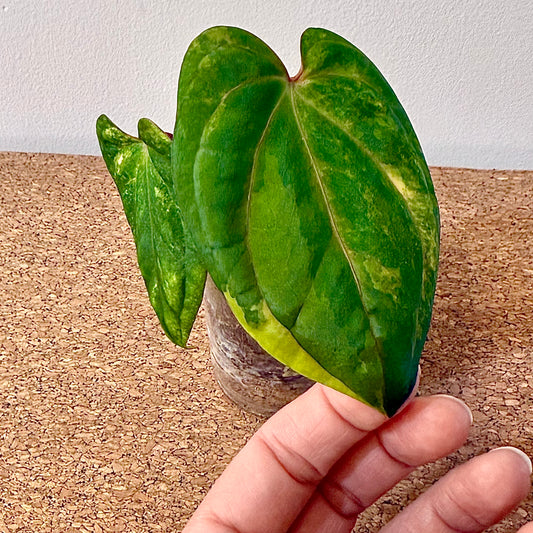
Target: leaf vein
408, 134
308, 290
367, 152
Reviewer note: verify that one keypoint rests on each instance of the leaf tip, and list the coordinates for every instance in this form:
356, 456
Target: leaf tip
102, 123
144, 125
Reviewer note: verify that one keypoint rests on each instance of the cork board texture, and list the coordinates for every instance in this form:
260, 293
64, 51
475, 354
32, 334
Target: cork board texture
107, 426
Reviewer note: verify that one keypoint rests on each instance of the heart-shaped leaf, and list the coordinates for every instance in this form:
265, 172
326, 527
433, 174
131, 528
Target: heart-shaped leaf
311, 206
166, 256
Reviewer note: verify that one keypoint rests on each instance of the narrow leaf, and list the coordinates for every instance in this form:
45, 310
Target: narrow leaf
167, 259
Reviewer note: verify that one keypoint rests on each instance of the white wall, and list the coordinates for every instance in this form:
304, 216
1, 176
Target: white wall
463, 69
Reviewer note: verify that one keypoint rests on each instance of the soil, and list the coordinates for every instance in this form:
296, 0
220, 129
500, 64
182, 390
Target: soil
107, 426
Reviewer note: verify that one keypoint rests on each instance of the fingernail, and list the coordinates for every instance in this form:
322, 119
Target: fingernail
418, 374
463, 404
518, 452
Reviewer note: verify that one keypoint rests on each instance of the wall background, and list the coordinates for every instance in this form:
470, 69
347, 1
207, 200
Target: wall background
463, 69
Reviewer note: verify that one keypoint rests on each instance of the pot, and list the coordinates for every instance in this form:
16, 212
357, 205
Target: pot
246, 373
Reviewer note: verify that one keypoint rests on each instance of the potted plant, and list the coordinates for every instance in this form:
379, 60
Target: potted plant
305, 201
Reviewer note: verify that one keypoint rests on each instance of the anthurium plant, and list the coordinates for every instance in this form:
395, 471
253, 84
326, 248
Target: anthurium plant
307, 200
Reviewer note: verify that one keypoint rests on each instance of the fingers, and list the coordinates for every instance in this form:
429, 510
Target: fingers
265, 487
528, 528
471, 497
426, 429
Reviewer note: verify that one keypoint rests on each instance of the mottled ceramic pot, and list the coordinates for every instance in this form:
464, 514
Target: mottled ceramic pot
247, 374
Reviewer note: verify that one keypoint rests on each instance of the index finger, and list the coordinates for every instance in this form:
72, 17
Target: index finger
276, 473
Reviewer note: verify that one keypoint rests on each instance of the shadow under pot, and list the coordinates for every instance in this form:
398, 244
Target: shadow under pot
246, 373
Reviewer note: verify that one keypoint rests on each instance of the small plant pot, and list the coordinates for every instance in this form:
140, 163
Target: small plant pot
247, 374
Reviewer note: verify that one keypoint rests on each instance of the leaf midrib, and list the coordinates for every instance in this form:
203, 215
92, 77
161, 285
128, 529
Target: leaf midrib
383, 171
335, 230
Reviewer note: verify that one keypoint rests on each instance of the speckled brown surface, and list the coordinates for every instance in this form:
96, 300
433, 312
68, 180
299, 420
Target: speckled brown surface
106, 426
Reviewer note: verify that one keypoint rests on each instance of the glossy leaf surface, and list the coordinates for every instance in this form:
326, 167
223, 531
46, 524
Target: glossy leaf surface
311, 206
140, 168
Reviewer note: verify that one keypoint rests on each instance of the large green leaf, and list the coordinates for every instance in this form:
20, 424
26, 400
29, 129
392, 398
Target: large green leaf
311, 206
166, 256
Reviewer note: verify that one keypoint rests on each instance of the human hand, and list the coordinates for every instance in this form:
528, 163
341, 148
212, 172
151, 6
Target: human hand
325, 457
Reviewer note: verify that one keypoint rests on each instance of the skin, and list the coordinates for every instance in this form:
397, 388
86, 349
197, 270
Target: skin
321, 460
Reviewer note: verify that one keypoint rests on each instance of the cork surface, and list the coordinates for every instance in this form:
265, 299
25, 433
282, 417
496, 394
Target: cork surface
107, 426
